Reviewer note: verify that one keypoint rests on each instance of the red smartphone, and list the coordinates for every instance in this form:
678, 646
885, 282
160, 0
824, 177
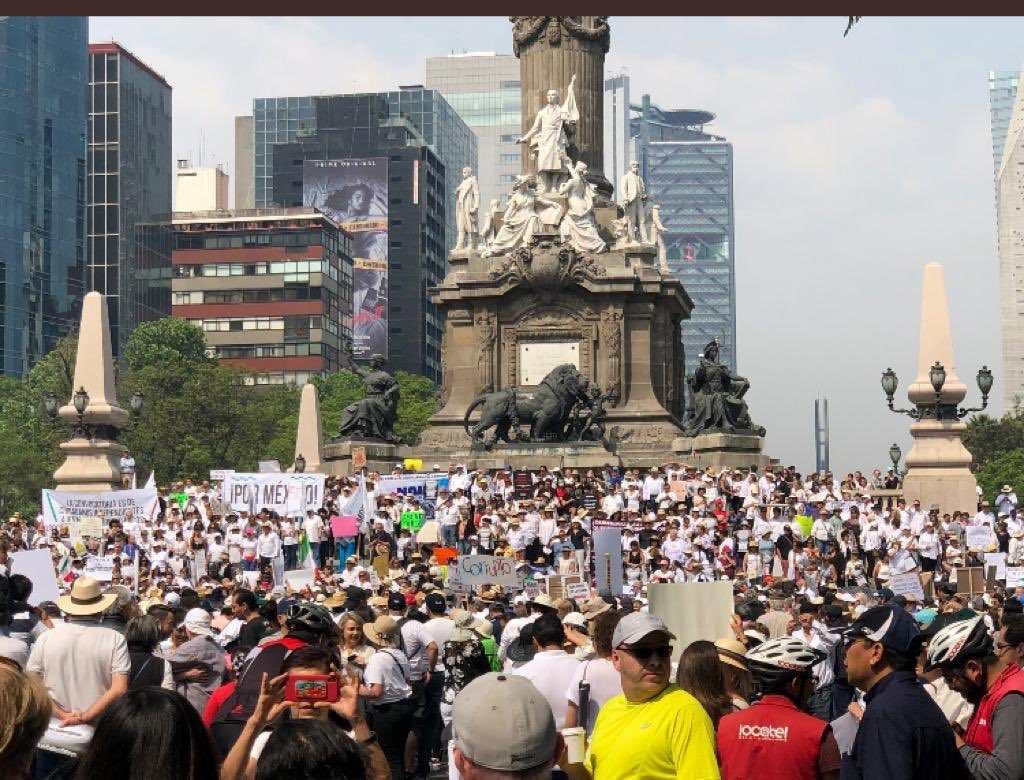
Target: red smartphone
311, 687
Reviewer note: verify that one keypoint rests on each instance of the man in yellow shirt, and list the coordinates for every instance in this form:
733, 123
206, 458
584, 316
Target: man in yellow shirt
655, 730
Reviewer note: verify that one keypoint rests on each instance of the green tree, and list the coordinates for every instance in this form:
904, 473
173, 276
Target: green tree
987, 439
30, 452
55, 371
165, 341
417, 402
337, 391
1007, 469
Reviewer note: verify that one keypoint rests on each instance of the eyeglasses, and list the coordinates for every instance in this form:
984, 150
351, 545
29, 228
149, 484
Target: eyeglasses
643, 654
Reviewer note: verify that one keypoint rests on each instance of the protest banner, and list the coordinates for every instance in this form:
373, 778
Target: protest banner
908, 584
578, 591
91, 527
358, 458
999, 561
479, 570
692, 610
281, 493
1014, 576
61, 507
598, 524
423, 487
344, 525
37, 565
412, 520
978, 537
608, 559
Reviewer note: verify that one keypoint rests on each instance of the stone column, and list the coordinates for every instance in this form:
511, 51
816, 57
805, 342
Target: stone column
309, 436
93, 462
938, 465
551, 49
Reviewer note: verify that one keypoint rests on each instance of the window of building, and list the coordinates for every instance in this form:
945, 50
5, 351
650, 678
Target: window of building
511, 158
510, 85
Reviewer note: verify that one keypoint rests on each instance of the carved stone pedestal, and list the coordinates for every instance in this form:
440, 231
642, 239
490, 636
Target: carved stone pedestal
722, 450
511, 319
531, 455
380, 456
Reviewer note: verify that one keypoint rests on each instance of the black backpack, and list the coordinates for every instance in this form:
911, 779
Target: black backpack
226, 726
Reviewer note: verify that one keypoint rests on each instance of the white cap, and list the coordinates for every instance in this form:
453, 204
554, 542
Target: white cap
197, 621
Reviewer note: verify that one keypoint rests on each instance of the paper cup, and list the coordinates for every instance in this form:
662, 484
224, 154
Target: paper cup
575, 743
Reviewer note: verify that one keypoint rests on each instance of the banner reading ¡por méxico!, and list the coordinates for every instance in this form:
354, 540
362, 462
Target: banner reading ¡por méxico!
283, 493
61, 507
354, 193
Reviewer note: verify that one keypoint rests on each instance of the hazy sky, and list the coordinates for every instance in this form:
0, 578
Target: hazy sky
857, 161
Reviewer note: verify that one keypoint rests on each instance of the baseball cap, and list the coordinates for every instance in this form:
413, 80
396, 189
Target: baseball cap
634, 627
502, 722
889, 625
436, 603
396, 601
886, 594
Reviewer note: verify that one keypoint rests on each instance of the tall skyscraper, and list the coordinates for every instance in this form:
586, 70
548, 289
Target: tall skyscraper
44, 67
618, 135
1002, 93
1010, 221
483, 88
275, 120
129, 185
372, 144
689, 174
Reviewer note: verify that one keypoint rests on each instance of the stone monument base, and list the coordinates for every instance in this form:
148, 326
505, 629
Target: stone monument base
722, 450
533, 455
91, 466
381, 456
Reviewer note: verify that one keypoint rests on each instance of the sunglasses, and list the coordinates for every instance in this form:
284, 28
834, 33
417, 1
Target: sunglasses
643, 654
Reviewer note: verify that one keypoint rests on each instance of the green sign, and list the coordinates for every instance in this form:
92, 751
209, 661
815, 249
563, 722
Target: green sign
412, 520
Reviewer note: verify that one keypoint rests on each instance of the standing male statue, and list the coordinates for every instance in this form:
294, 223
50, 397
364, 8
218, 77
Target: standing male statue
548, 140
634, 196
467, 205
655, 231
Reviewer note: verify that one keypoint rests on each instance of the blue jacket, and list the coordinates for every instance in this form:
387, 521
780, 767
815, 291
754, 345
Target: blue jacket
903, 736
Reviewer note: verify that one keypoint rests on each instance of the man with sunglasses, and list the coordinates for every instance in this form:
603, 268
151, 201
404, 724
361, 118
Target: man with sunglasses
988, 676
774, 737
903, 734
654, 730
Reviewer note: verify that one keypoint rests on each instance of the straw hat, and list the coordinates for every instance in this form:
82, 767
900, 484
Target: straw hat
383, 631
85, 598
731, 652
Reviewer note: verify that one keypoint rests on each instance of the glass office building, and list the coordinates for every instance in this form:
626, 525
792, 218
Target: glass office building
43, 82
689, 173
484, 90
276, 120
1002, 92
129, 184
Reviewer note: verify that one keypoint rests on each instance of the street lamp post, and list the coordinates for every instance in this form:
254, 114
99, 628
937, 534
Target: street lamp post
895, 453
936, 410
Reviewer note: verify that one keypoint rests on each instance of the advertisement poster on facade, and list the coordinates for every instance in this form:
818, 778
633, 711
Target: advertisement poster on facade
354, 193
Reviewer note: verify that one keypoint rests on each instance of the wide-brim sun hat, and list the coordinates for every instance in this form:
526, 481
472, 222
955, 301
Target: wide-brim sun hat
85, 598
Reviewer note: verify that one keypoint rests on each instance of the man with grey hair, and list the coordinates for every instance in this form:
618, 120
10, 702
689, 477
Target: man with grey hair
123, 609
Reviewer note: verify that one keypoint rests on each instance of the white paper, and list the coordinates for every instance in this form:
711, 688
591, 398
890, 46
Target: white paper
37, 565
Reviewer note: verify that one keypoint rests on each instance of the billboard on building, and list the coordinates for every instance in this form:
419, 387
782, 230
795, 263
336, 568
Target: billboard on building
354, 193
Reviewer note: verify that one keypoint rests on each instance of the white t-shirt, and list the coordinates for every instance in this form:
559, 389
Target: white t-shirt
77, 662
605, 684
548, 671
441, 629
389, 667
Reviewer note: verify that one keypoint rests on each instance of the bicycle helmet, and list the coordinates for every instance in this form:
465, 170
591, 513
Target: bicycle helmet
959, 641
780, 659
311, 617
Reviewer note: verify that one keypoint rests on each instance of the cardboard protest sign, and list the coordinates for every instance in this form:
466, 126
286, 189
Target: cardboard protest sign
978, 537
219, 475
522, 483
480, 570
908, 584
99, 567
412, 520
344, 525
282, 493
532, 589
91, 527
358, 457
999, 561
692, 610
37, 565
578, 591
453, 577
1014, 576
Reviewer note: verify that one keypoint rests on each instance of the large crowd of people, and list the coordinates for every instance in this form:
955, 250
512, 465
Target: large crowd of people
194, 653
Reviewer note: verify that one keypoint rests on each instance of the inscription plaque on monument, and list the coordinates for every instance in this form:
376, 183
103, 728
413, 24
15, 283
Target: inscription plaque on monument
538, 358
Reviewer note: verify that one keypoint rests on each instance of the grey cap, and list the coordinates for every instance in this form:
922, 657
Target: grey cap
634, 627
501, 721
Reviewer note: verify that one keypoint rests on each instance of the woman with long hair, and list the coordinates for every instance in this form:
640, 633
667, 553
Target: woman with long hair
732, 656
700, 674
354, 648
149, 734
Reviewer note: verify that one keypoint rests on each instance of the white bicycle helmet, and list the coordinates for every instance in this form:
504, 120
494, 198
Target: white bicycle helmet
782, 657
959, 641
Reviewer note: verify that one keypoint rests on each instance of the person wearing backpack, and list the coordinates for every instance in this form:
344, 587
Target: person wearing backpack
387, 685
231, 705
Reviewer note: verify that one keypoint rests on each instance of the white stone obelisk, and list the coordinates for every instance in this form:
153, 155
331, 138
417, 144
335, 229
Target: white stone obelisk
93, 464
308, 438
938, 465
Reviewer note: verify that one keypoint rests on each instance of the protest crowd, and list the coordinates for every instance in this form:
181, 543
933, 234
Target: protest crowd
477, 625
